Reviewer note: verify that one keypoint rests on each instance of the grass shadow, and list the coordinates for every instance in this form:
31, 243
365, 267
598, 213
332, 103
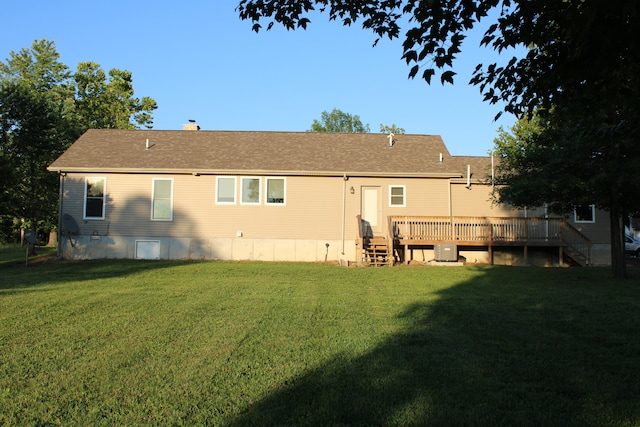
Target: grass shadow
560, 352
62, 272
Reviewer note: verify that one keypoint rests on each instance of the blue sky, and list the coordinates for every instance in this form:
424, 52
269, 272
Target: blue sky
199, 61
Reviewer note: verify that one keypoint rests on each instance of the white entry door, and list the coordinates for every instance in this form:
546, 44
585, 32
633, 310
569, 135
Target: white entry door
371, 210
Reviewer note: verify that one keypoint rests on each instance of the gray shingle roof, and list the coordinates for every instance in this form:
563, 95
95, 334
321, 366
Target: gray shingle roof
249, 152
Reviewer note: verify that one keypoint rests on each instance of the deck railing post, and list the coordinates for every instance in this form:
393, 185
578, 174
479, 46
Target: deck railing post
485, 231
452, 230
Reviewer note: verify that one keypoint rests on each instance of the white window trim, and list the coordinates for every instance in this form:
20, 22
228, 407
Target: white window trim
580, 221
235, 191
266, 188
153, 189
104, 199
259, 190
404, 196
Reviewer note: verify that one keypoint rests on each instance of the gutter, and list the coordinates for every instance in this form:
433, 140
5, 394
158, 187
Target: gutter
194, 171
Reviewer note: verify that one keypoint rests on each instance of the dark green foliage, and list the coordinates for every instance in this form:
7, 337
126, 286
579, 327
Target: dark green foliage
44, 107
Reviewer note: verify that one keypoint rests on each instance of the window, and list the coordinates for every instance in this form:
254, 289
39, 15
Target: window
250, 191
94, 191
226, 190
276, 189
584, 213
162, 199
397, 196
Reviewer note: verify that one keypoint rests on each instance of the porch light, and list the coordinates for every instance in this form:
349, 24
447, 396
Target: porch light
352, 190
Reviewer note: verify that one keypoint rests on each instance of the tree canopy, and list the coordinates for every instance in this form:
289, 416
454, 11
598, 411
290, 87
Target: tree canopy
581, 74
338, 121
44, 107
396, 130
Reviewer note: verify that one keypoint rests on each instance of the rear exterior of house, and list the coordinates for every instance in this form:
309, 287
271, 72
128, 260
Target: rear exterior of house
271, 196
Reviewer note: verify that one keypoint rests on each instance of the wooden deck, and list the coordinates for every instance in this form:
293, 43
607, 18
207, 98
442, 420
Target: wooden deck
408, 232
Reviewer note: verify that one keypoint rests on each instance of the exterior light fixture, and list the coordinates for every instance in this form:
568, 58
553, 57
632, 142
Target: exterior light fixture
352, 190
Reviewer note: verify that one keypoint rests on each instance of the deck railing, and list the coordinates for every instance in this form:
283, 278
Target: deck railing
490, 230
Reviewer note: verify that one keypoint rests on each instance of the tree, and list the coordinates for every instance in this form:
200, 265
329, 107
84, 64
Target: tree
338, 121
581, 73
584, 83
391, 129
43, 109
108, 103
557, 159
34, 96
28, 139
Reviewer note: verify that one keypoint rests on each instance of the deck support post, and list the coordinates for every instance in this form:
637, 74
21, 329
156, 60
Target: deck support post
414, 232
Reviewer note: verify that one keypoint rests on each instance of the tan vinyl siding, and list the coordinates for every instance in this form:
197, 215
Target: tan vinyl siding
598, 231
477, 201
313, 209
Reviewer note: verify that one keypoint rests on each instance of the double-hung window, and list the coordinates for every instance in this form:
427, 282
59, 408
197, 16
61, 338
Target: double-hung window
94, 198
226, 190
276, 190
250, 191
397, 196
162, 199
584, 214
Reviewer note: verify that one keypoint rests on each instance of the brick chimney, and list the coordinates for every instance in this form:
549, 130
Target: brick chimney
192, 125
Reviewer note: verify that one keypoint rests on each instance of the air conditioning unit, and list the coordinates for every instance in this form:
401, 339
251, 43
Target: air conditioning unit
446, 252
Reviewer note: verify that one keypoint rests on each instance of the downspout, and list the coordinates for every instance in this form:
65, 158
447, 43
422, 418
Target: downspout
345, 178
450, 208
449, 195
60, 196
493, 176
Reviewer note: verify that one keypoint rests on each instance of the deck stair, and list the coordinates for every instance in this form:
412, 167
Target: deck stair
491, 232
377, 251
575, 257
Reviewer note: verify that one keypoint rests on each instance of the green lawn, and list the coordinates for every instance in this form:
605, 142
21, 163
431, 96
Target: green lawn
12, 255
234, 343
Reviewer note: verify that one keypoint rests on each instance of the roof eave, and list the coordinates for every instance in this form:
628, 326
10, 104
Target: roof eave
196, 171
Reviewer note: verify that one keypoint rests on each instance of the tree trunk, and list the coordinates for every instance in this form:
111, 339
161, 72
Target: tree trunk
53, 239
618, 261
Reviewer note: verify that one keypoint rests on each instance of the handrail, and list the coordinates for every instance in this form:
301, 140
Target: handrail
475, 228
576, 241
490, 229
359, 239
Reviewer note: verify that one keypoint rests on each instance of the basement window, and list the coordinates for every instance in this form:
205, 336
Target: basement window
94, 197
584, 214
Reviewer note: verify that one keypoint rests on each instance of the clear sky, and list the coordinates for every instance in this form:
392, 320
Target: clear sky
199, 61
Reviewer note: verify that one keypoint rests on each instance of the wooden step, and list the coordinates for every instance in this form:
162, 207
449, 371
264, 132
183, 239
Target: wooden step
376, 251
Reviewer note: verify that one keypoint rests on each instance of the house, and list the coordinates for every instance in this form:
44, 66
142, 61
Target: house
298, 196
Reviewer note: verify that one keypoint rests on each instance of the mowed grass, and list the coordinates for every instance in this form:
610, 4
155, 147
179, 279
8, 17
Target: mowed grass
232, 343
14, 254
